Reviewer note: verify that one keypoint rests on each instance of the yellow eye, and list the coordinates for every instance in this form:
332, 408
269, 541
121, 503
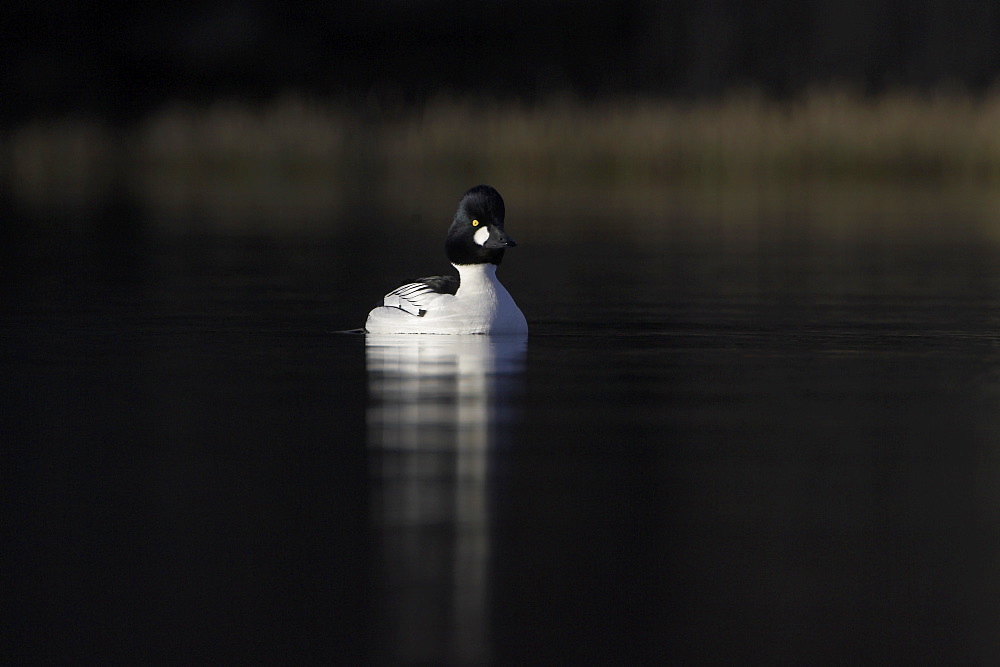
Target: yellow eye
475, 223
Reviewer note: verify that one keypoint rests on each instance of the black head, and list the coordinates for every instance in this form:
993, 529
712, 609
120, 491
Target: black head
476, 235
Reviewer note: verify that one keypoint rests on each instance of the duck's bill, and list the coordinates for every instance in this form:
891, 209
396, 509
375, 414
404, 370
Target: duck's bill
499, 239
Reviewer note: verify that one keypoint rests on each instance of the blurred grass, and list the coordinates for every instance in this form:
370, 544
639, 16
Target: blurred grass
306, 164
742, 138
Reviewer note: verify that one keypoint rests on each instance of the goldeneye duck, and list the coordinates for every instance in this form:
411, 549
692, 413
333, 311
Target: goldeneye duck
473, 303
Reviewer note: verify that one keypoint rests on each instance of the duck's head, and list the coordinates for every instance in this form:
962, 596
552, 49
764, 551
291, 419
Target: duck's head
476, 235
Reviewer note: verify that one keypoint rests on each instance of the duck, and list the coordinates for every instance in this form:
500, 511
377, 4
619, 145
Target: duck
474, 302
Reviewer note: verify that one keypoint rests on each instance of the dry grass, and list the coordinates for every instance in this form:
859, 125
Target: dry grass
743, 138
300, 163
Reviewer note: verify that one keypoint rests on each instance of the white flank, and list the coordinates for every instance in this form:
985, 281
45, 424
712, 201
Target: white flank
481, 306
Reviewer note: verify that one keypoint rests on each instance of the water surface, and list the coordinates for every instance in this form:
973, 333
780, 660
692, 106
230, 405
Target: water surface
706, 451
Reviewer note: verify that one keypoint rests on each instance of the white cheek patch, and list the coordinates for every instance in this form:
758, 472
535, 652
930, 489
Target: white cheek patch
481, 236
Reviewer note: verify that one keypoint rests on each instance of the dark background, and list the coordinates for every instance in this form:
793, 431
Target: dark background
118, 60
777, 440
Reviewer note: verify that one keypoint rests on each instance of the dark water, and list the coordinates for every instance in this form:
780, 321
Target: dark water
705, 452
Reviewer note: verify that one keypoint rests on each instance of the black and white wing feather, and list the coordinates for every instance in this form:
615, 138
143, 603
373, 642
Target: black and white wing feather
416, 297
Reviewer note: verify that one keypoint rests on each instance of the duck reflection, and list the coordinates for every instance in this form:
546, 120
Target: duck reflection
439, 411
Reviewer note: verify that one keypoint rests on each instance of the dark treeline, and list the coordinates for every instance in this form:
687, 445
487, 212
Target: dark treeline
119, 60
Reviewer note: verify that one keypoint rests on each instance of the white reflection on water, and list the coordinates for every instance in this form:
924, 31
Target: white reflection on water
438, 407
